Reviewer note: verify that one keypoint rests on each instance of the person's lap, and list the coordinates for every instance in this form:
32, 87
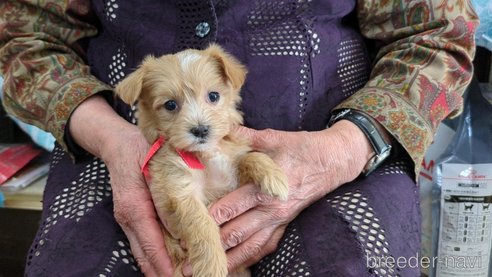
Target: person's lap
340, 235
354, 230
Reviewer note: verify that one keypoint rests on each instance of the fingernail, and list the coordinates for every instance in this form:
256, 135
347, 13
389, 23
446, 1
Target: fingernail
187, 271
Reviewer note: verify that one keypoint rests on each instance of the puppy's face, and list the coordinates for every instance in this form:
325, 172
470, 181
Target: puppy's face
190, 98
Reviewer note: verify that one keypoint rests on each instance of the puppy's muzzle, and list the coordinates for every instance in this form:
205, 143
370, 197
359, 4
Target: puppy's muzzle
200, 131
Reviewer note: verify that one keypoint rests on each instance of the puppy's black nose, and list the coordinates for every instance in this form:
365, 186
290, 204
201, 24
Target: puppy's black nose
200, 131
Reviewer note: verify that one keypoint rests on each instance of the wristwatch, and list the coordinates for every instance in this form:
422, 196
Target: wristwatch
381, 147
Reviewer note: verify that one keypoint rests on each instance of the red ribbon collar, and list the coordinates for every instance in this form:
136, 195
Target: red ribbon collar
190, 160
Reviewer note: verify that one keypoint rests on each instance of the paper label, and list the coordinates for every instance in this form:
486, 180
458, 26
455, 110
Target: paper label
443, 137
466, 220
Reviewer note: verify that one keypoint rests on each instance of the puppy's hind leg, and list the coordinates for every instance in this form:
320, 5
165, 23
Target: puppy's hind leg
176, 253
260, 169
197, 228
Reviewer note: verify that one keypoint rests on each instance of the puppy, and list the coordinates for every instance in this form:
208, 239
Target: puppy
188, 101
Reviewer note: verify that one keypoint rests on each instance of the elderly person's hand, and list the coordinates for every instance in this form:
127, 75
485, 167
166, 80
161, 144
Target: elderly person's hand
99, 130
316, 163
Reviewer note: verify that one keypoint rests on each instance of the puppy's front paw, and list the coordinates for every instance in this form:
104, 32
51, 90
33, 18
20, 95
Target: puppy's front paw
275, 183
262, 170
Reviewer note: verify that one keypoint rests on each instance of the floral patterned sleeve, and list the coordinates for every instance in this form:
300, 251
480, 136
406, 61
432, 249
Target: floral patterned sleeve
422, 69
45, 76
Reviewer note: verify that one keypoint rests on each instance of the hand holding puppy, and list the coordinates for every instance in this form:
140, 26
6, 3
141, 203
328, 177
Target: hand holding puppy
316, 163
122, 147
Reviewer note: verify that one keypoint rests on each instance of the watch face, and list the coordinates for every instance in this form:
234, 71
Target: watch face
381, 157
376, 161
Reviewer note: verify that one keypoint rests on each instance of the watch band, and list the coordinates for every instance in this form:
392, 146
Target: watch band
381, 147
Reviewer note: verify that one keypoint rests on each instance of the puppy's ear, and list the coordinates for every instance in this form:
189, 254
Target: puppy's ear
129, 89
233, 71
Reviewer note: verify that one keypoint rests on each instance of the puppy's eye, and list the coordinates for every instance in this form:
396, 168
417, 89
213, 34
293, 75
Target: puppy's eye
214, 96
171, 105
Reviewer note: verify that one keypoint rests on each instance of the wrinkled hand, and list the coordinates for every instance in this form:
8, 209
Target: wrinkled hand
134, 208
99, 130
315, 163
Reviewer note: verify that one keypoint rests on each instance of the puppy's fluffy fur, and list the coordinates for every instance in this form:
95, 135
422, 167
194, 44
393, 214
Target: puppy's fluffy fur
191, 98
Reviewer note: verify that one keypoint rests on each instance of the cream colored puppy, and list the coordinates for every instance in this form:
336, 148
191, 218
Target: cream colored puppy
188, 103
